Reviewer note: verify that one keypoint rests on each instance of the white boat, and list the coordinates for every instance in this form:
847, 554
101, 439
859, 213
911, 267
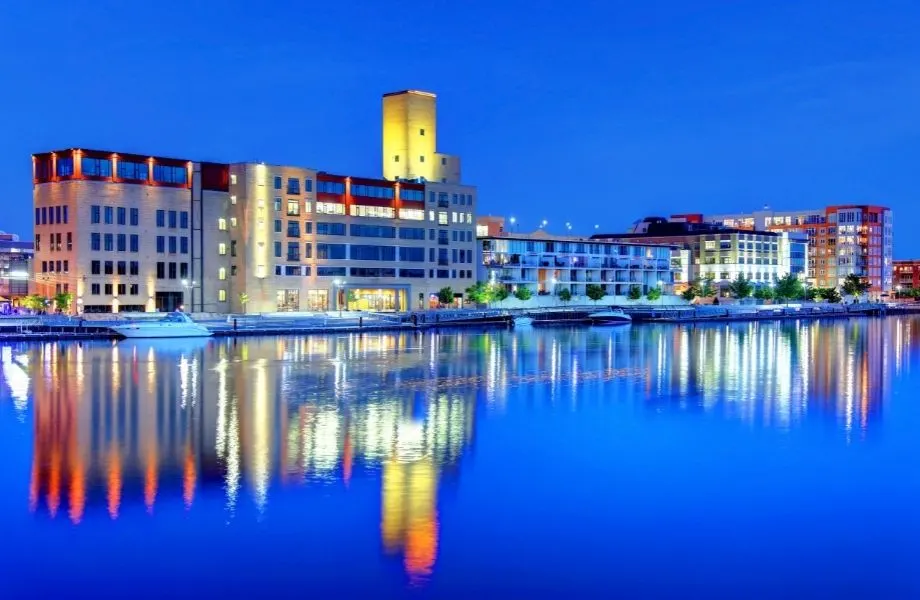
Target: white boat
174, 325
614, 316
523, 321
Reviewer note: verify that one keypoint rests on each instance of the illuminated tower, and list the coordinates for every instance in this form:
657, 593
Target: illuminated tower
410, 139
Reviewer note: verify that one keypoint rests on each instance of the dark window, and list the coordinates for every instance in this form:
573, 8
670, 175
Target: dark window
232, 247
161, 270
121, 215
277, 225
172, 219
66, 266
412, 273
167, 174
122, 288
64, 167
172, 244
277, 249
372, 272
95, 241
95, 212
293, 251
132, 170
330, 187
293, 229
121, 267
38, 242
183, 245
95, 267
57, 215
410, 194
135, 217
44, 216
172, 270
183, 270
161, 218
38, 216
121, 242
361, 252
133, 289
134, 243
134, 267
293, 186
96, 167
108, 289
108, 242
291, 270
183, 219
308, 227
109, 267
330, 251
330, 271
308, 185
69, 241
161, 244
412, 254
308, 250
94, 289
377, 231
107, 214
330, 228
277, 182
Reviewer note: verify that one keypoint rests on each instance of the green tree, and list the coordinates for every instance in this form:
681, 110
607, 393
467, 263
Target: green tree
830, 295
34, 302
811, 294
350, 298
853, 285
789, 287
445, 295
63, 300
653, 294
741, 287
523, 293
635, 292
706, 287
595, 292
564, 295
479, 293
499, 293
244, 300
763, 293
691, 292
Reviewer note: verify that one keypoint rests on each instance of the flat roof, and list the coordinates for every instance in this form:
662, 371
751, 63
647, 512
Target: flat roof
523, 237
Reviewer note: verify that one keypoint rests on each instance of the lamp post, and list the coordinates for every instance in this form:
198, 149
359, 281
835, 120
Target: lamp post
338, 291
512, 220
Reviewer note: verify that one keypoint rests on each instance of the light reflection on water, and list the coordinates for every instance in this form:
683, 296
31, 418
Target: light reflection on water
120, 426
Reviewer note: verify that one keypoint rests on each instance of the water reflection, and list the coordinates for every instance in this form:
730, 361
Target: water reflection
119, 426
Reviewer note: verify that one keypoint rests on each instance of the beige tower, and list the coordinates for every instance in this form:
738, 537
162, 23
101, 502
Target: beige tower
410, 139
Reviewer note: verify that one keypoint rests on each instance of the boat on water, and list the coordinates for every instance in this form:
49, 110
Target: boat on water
523, 321
612, 316
174, 325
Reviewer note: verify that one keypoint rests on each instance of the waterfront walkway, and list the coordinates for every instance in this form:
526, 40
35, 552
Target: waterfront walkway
58, 327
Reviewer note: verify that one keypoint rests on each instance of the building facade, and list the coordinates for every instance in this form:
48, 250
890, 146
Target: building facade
122, 232
722, 253
843, 240
15, 268
546, 264
306, 240
907, 275
128, 232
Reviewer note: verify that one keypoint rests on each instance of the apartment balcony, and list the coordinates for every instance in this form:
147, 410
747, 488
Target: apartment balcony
293, 258
443, 204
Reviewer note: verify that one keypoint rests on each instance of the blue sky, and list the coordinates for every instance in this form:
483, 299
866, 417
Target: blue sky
589, 112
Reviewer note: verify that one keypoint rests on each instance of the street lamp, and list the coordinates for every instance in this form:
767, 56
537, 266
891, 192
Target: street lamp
512, 220
543, 224
338, 283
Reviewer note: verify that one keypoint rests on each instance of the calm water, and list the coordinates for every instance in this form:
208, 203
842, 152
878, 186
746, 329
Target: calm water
728, 461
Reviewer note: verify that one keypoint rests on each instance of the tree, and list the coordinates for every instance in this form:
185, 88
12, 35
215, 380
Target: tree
707, 289
445, 295
62, 301
523, 293
763, 293
564, 295
789, 287
350, 298
811, 294
830, 295
34, 302
690, 293
499, 293
853, 285
595, 292
741, 287
635, 292
479, 293
244, 300
653, 294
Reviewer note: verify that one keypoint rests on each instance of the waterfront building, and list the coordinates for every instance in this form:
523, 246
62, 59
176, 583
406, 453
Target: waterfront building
547, 263
15, 266
907, 274
130, 232
722, 253
843, 240
123, 232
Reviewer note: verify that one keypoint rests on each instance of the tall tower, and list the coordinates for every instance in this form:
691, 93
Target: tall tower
410, 139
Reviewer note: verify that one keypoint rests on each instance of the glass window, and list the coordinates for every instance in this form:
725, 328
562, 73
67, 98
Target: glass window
330, 251
183, 245
96, 167
134, 267
95, 213
122, 267
161, 244
277, 225
121, 215
277, 249
183, 220
172, 244
134, 217
293, 228
161, 218
277, 182
132, 170
293, 186
108, 242
95, 241
171, 175
308, 185
222, 248
293, 208
64, 167
323, 228
134, 243
108, 214
121, 242
172, 219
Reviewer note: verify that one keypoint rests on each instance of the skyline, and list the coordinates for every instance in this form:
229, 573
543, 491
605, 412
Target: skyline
704, 109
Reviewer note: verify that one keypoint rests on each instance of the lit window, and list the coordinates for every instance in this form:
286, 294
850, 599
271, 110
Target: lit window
222, 273
453, 217
469, 218
431, 215
260, 271
232, 221
222, 248
307, 207
222, 224
232, 199
442, 217
221, 295
233, 181
330, 208
412, 214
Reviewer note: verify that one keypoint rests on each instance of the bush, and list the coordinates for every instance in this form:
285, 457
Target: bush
595, 292
635, 292
523, 293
